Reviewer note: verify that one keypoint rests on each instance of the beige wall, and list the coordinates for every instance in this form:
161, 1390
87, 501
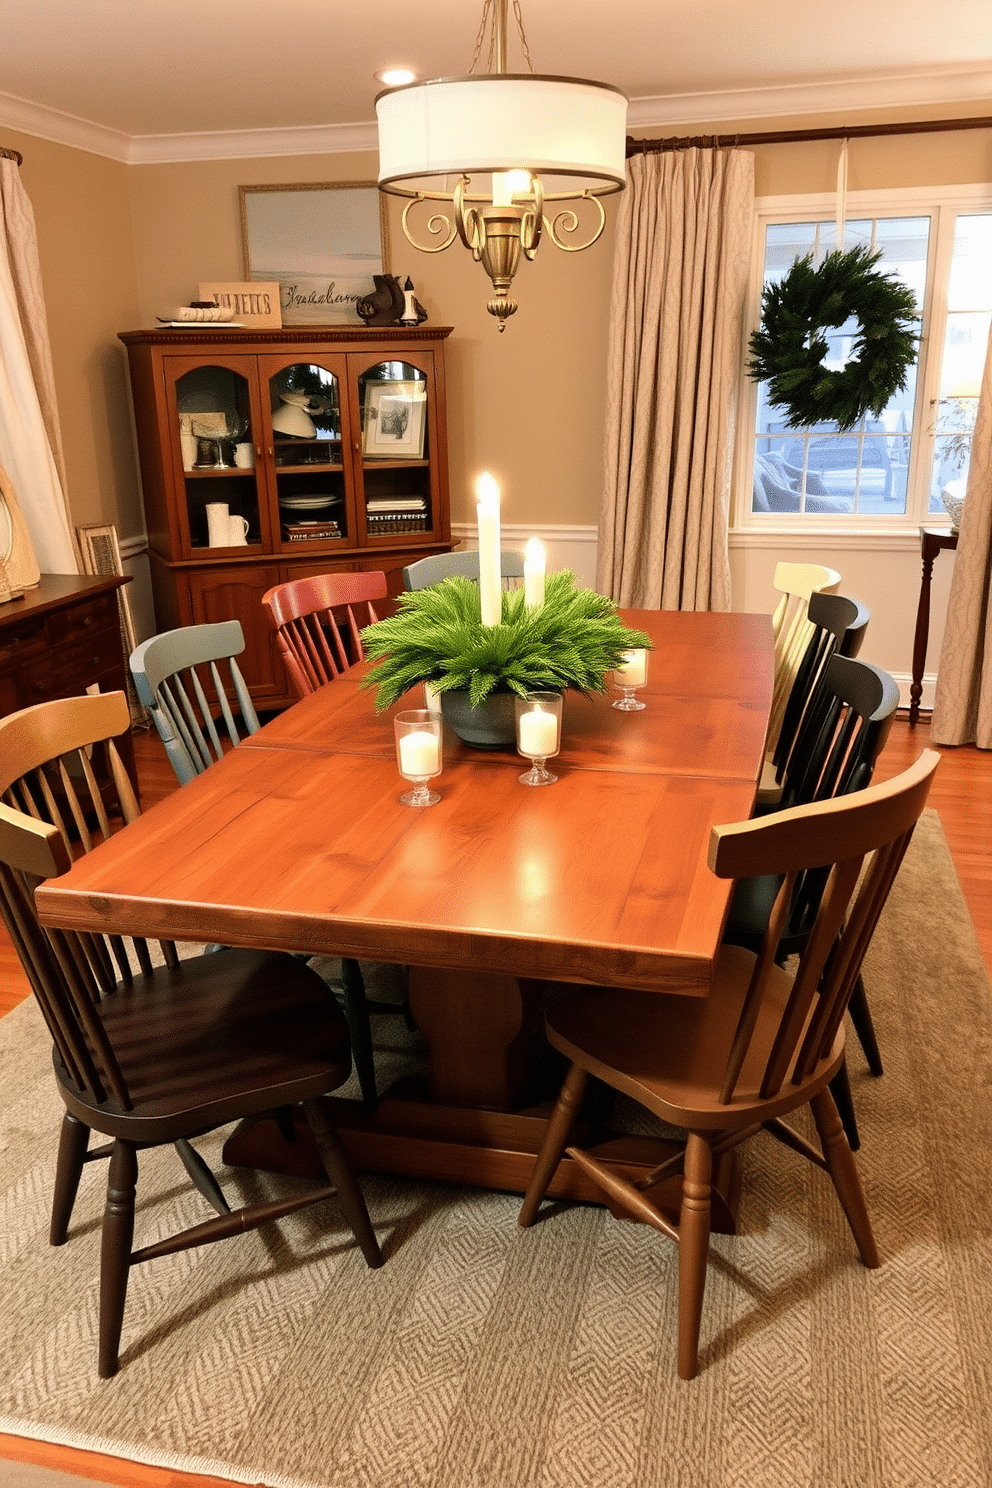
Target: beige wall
119, 244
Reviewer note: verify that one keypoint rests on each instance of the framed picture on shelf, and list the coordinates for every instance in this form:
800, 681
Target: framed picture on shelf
394, 427
321, 241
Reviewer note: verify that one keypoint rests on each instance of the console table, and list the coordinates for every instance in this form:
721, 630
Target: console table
61, 637
932, 541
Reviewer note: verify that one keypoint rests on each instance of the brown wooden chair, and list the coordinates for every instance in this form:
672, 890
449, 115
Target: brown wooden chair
145, 1054
763, 1043
318, 622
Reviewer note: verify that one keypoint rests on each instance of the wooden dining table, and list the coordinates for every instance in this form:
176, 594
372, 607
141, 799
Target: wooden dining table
297, 840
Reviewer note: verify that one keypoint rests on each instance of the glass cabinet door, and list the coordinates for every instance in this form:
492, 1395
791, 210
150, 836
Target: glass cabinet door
217, 449
397, 495
307, 452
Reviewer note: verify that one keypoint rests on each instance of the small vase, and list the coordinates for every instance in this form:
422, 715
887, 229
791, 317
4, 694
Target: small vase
491, 725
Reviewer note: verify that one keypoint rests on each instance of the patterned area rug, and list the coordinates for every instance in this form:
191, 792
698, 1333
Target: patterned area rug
484, 1356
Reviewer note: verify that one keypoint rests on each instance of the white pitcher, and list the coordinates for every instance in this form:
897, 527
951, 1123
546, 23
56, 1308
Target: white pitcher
237, 532
218, 524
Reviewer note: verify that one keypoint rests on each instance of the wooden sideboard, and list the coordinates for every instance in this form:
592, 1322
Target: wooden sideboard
60, 638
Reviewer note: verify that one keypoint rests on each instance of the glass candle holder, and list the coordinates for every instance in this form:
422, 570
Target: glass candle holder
538, 734
629, 678
418, 753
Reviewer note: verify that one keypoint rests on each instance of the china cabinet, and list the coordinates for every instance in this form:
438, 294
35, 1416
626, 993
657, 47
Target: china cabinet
272, 455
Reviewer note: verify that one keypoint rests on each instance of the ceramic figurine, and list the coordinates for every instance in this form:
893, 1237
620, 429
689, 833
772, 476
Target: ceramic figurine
384, 305
413, 310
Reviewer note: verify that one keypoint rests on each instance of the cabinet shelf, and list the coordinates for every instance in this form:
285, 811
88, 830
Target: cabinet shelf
325, 371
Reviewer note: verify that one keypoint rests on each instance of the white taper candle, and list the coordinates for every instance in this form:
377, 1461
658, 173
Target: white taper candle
535, 565
490, 568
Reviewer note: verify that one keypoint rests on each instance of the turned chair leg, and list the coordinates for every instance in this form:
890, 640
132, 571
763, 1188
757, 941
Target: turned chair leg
840, 1089
356, 1011
73, 1142
844, 1172
864, 1027
342, 1175
694, 1242
115, 1260
561, 1124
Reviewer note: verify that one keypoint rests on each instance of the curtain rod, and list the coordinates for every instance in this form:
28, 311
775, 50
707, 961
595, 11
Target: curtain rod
801, 136
6, 154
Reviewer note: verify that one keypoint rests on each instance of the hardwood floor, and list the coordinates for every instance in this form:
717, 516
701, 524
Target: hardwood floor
962, 795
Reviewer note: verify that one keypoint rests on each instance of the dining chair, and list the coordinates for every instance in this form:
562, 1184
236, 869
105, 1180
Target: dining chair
795, 583
837, 625
764, 1042
186, 678
152, 1050
438, 566
842, 734
318, 621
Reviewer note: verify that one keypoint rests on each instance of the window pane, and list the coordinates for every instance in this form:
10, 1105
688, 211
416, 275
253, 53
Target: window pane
971, 268
965, 342
820, 470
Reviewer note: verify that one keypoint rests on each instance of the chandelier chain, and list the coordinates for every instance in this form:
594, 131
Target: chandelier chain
523, 36
487, 7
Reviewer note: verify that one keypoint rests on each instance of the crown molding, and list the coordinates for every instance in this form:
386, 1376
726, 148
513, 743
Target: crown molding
937, 87
63, 129
254, 144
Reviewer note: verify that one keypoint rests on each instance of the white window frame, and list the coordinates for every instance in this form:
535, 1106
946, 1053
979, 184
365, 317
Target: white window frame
942, 205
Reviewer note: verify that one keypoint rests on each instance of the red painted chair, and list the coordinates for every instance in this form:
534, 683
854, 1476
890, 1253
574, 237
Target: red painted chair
317, 622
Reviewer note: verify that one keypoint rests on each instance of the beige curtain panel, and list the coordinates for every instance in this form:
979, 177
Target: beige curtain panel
962, 712
676, 343
30, 437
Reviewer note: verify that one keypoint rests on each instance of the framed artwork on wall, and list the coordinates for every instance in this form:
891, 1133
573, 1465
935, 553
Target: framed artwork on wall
321, 241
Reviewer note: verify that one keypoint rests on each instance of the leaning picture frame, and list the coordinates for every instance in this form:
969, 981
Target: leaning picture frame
101, 554
394, 425
322, 242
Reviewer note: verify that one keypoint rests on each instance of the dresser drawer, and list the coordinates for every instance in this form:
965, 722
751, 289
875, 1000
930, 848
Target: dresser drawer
83, 620
21, 643
70, 670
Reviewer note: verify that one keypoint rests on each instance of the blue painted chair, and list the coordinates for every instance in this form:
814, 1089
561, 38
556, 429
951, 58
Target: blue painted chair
184, 678
438, 566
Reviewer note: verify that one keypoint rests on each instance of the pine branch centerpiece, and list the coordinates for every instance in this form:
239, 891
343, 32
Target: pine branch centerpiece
568, 643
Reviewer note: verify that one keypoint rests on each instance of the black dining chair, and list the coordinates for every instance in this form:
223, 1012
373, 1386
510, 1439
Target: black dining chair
152, 1050
843, 732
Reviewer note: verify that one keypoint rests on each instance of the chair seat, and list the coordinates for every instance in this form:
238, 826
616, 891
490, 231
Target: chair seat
670, 1052
220, 1036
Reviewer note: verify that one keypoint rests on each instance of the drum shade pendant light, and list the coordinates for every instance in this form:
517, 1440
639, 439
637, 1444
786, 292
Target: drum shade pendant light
502, 150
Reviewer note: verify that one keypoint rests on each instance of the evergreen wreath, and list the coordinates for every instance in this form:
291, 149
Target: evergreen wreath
788, 350
437, 636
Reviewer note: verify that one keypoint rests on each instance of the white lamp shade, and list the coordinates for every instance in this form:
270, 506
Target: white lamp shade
570, 132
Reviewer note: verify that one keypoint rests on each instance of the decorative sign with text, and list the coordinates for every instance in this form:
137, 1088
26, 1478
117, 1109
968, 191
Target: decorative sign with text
255, 303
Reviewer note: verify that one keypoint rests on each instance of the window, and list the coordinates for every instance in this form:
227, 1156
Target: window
891, 470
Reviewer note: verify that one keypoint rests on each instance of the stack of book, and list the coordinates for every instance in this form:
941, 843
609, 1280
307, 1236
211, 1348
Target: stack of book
310, 531
395, 514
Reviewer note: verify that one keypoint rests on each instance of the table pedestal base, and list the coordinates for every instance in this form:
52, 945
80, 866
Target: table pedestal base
416, 1138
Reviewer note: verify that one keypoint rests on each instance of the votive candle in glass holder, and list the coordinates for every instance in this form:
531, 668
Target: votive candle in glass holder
629, 677
538, 734
418, 753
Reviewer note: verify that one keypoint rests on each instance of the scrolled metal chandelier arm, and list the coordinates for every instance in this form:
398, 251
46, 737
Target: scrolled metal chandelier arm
568, 222
436, 224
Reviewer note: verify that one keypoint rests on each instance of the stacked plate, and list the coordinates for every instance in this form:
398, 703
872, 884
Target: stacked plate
308, 503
